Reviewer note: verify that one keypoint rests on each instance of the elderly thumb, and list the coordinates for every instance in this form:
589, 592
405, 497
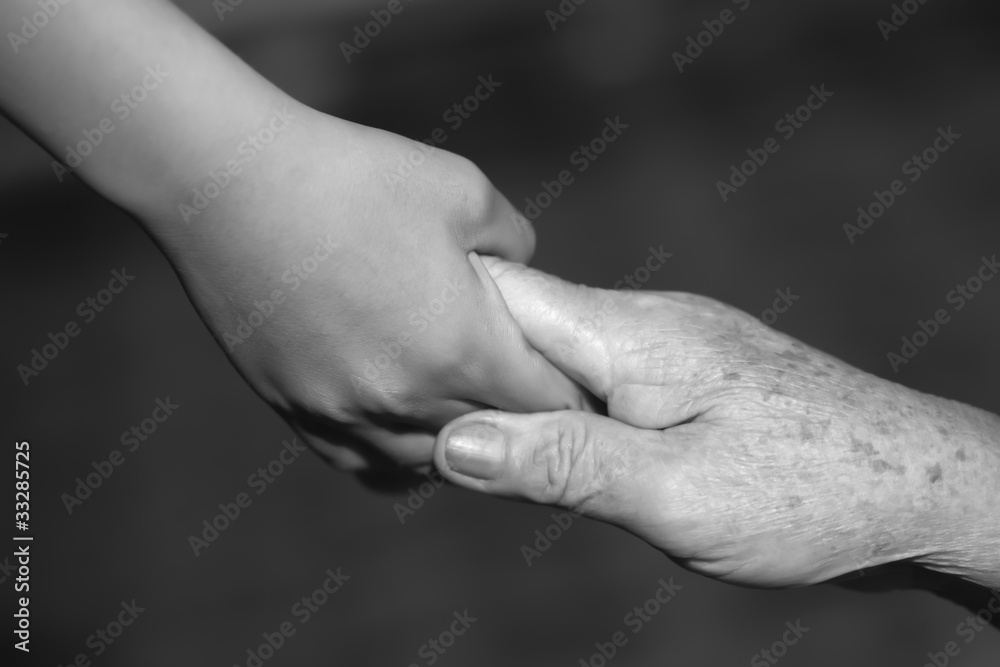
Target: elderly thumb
592, 465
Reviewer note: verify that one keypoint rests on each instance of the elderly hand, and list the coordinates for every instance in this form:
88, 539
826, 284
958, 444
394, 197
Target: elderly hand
738, 451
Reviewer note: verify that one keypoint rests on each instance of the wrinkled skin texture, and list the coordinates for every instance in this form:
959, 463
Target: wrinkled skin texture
740, 452
328, 357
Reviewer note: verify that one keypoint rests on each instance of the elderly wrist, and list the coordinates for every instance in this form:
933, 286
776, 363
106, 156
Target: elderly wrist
966, 507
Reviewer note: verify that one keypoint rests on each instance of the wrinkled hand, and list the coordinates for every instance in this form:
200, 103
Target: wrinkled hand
740, 452
343, 289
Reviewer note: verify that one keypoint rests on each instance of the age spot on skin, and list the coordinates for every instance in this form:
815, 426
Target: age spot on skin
773, 394
881, 465
794, 356
794, 502
942, 430
882, 427
848, 398
934, 473
732, 377
862, 446
960, 455
883, 542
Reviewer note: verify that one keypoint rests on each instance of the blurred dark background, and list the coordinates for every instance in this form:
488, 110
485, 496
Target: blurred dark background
655, 185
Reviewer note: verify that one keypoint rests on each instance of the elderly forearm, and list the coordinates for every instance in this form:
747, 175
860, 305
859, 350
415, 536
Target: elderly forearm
962, 488
966, 571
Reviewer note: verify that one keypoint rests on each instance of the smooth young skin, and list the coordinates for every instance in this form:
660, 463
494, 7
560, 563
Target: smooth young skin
740, 452
399, 268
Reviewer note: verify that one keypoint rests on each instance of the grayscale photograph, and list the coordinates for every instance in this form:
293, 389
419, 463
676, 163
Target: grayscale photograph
426, 333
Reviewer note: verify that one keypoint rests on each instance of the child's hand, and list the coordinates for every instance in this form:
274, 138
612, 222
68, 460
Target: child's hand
345, 292
330, 260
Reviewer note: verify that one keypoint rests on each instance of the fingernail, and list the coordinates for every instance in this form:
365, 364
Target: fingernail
476, 450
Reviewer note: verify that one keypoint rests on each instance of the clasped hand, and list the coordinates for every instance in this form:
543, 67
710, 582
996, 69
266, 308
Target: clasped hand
740, 452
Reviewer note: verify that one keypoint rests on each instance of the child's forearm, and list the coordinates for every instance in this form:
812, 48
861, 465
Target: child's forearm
131, 94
